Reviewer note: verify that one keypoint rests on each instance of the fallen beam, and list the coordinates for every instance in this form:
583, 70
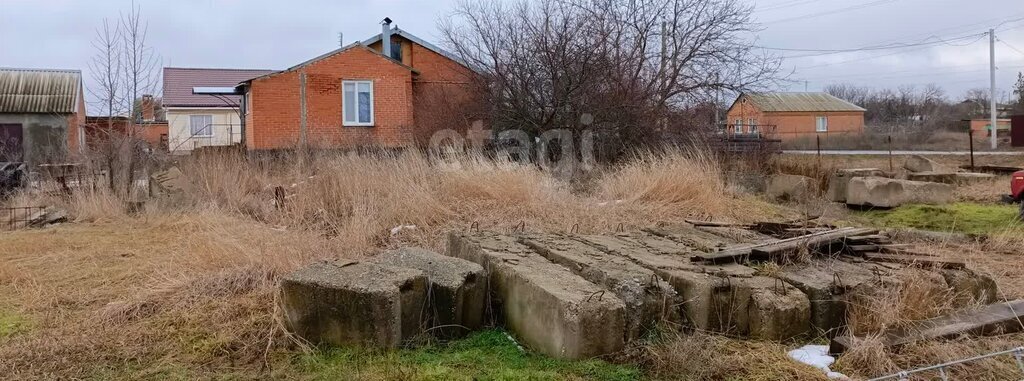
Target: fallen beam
996, 318
915, 260
783, 247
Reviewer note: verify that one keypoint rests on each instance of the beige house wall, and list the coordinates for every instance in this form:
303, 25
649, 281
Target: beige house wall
227, 129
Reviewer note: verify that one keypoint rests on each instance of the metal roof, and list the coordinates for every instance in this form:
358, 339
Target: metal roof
799, 102
179, 83
409, 36
39, 91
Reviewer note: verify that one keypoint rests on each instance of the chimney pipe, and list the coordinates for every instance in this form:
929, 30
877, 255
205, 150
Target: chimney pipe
148, 108
385, 37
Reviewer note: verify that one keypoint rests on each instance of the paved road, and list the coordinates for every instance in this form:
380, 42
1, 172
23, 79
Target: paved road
861, 152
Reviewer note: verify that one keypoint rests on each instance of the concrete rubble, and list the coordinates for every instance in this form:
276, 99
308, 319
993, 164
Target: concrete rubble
883, 192
919, 163
579, 296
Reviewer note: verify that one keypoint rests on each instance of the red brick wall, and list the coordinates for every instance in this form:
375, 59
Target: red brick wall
274, 121
792, 125
76, 122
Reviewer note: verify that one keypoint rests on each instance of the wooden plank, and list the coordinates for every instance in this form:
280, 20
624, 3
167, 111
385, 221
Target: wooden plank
914, 260
715, 224
992, 319
813, 240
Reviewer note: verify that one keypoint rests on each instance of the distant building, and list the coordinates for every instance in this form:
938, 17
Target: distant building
42, 112
982, 128
196, 120
793, 115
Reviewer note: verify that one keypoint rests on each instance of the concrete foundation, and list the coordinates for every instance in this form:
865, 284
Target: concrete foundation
458, 289
355, 304
890, 193
840, 181
549, 308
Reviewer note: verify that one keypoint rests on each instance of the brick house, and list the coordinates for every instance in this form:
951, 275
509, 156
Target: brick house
793, 115
42, 114
199, 120
358, 96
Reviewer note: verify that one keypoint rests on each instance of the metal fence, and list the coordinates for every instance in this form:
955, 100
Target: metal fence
1018, 354
19, 216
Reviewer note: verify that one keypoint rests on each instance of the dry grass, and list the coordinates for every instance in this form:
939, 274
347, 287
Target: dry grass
702, 356
188, 283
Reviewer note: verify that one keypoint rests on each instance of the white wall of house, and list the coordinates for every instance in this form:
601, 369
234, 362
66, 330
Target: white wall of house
224, 129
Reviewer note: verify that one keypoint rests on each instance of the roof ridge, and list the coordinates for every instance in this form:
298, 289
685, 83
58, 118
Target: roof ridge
41, 70
214, 68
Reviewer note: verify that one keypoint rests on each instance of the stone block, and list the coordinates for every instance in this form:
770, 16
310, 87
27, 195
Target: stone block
918, 163
354, 304
840, 180
890, 193
791, 187
458, 289
548, 307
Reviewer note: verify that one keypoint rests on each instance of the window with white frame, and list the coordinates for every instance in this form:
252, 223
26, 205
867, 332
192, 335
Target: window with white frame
357, 103
821, 124
738, 127
201, 125
753, 125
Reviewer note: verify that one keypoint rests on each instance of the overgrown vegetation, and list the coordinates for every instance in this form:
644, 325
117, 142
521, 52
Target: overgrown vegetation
486, 355
962, 217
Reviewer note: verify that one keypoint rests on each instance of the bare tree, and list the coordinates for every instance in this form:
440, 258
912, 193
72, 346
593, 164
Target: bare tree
628, 65
105, 67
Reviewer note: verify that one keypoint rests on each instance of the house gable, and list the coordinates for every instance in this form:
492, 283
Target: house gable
303, 105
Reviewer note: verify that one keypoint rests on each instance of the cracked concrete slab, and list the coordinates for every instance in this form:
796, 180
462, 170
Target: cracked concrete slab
548, 307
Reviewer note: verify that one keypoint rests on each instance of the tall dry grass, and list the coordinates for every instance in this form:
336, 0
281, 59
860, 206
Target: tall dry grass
190, 279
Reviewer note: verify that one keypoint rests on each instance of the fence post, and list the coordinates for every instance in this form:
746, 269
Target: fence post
970, 138
817, 143
890, 153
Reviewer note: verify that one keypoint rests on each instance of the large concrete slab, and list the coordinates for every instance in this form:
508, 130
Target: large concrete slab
649, 300
828, 285
355, 304
791, 187
840, 181
725, 298
458, 289
547, 306
890, 193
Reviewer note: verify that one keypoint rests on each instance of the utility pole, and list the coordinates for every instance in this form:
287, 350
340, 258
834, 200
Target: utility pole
992, 79
806, 83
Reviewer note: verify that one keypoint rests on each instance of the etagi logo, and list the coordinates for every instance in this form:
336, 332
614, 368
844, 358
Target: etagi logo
558, 149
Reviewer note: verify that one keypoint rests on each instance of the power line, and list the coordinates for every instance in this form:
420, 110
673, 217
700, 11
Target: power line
882, 75
876, 73
787, 4
816, 14
876, 47
1009, 46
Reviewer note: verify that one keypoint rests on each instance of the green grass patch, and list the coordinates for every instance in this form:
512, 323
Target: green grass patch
968, 218
12, 323
486, 355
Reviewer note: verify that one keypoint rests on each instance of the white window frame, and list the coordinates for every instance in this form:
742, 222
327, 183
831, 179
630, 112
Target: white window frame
191, 131
738, 127
821, 124
344, 114
752, 125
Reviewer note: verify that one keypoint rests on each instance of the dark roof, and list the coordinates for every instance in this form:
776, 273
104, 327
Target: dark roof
798, 102
39, 91
178, 84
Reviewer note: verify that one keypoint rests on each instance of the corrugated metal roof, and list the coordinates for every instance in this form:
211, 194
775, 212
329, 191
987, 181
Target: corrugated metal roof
178, 84
797, 102
39, 90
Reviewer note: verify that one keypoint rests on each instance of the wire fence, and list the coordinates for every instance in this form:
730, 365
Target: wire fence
19, 216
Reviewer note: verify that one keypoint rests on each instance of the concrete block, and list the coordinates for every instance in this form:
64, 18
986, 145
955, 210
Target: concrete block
791, 187
970, 287
840, 180
933, 177
967, 178
918, 163
458, 289
649, 301
828, 285
723, 298
354, 304
548, 307
890, 193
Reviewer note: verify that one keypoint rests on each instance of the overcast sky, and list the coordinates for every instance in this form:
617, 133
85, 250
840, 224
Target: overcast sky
275, 34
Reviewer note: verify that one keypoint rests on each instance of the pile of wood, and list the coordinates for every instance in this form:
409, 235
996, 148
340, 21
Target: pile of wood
792, 239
